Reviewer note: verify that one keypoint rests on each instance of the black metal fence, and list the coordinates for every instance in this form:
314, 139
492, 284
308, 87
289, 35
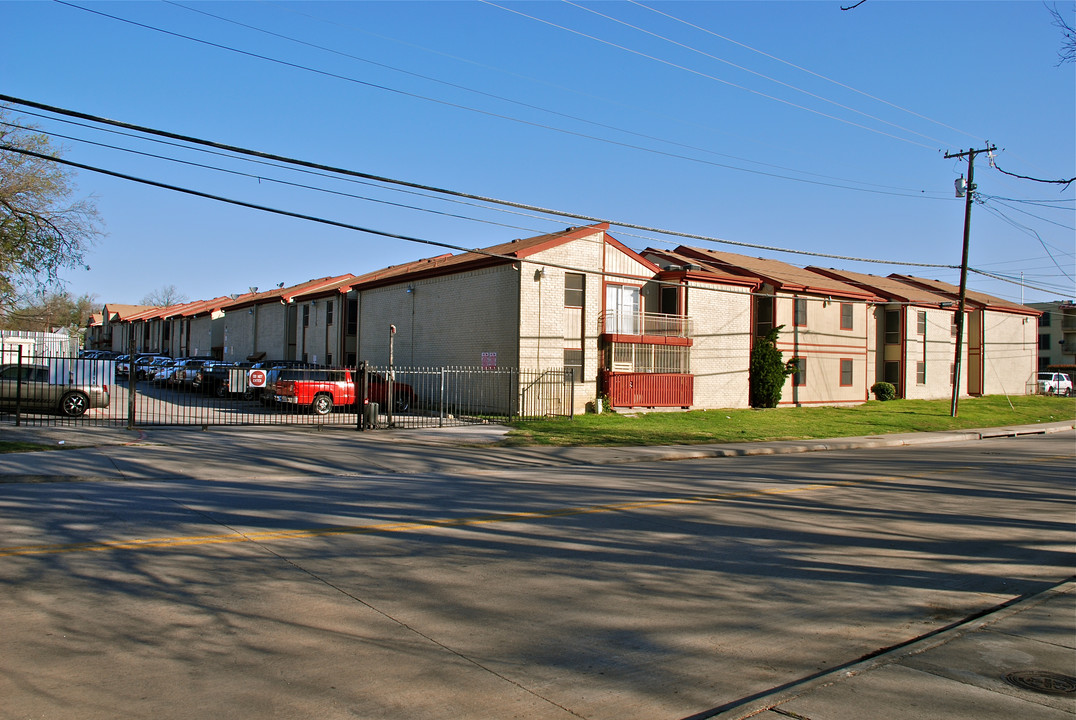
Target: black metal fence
70, 391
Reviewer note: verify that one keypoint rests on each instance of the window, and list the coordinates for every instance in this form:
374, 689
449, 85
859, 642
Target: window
846, 372
1044, 319
921, 373
799, 378
801, 312
574, 289
306, 318
329, 357
921, 323
670, 300
952, 326
622, 308
847, 319
763, 316
892, 327
573, 360
1044, 341
329, 314
891, 373
352, 318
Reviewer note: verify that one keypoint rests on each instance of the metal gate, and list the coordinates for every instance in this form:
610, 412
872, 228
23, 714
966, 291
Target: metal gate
71, 391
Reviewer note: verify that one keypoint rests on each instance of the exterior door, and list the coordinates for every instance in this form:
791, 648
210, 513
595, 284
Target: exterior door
622, 309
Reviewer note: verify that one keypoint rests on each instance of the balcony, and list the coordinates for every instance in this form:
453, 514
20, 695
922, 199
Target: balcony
649, 390
651, 328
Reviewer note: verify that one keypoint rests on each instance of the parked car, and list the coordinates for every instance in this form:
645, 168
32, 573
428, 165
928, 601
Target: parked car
322, 389
1055, 383
185, 370
159, 372
272, 367
215, 378
144, 362
39, 389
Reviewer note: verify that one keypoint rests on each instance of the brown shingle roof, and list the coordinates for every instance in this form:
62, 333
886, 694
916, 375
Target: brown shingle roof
779, 274
889, 288
952, 292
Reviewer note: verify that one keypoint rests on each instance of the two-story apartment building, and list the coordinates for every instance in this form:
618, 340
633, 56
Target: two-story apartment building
649, 330
914, 343
1002, 340
827, 329
265, 325
1057, 335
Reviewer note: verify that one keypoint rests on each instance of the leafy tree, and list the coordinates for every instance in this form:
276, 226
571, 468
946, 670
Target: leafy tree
768, 371
42, 230
165, 296
49, 312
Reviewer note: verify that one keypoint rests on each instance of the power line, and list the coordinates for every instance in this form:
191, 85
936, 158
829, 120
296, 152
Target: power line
277, 181
487, 113
1025, 212
809, 72
453, 193
705, 75
753, 72
1029, 231
532, 106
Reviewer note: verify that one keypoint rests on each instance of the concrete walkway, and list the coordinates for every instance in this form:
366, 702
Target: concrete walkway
1017, 660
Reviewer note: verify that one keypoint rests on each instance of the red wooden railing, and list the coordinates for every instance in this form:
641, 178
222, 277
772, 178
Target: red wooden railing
649, 389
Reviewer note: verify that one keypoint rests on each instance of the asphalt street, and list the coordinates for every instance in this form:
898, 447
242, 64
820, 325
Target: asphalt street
297, 573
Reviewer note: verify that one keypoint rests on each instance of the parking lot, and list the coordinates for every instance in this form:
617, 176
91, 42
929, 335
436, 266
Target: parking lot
298, 395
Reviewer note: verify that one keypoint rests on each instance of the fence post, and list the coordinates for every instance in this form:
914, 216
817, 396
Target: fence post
360, 397
18, 391
132, 380
571, 393
441, 411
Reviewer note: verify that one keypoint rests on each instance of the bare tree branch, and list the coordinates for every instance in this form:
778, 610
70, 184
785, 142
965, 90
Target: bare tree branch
1067, 53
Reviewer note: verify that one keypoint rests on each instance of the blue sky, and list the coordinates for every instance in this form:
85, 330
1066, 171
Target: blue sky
789, 125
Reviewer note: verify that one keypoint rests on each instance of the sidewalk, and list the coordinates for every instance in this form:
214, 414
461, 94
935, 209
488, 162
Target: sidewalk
1016, 661
475, 443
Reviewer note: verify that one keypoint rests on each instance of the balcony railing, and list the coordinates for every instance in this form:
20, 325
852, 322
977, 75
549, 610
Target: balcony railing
653, 324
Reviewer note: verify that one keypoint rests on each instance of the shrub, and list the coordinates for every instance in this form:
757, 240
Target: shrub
884, 391
768, 371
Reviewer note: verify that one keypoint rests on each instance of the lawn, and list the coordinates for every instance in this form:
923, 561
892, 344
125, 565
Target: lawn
722, 426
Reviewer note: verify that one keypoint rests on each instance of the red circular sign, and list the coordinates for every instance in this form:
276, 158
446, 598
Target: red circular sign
257, 378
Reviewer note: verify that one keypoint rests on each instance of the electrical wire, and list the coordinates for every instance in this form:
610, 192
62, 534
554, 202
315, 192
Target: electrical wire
453, 193
265, 178
1029, 231
803, 69
372, 231
532, 106
752, 72
467, 108
705, 75
1037, 217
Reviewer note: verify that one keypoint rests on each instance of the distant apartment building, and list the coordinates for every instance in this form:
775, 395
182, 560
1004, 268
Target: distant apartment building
1057, 334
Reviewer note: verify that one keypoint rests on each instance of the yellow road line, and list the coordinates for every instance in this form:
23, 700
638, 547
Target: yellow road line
255, 537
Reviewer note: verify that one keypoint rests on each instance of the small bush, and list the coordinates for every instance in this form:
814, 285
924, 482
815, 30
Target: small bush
884, 391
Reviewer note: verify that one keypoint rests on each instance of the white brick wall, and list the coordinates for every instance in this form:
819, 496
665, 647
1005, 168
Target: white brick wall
721, 354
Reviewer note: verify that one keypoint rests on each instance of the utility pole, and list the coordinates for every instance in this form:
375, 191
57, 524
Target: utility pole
969, 194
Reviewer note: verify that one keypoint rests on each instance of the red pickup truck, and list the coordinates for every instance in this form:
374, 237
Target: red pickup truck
321, 389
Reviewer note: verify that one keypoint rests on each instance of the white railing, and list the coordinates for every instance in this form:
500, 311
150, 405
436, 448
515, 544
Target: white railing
659, 324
